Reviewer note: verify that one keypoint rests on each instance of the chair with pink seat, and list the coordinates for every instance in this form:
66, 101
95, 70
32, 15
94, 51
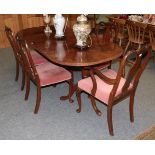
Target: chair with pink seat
42, 75
38, 59
111, 87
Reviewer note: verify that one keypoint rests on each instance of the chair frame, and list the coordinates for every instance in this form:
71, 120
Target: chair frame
119, 27
151, 29
32, 75
17, 55
133, 76
136, 33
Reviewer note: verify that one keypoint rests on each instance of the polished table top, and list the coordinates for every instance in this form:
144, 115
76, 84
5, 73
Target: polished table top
64, 52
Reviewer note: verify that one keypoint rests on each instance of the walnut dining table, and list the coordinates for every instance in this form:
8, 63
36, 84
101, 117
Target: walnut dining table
63, 52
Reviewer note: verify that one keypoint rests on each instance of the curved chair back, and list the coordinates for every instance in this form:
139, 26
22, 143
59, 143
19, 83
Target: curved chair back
13, 43
135, 70
132, 77
136, 31
152, 36
28, 61
119, 27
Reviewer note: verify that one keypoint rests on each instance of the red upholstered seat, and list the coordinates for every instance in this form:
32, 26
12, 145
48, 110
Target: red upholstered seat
103, 89
103, 65
50, 74
43, 74
37, 58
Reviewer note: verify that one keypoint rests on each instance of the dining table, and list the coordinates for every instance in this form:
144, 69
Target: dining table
63, 51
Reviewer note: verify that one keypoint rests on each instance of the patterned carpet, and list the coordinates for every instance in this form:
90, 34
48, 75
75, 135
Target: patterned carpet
148, 134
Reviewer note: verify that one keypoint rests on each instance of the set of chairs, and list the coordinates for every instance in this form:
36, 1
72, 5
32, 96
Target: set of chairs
137, 34
107, 86
35, 68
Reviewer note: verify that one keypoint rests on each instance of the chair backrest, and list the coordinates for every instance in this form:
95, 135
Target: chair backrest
135, 70
13, 43
136, 31
152, 35
28, 61
119, 25
133, 75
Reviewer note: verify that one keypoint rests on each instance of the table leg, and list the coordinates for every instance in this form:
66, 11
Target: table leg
71, 92
72, 89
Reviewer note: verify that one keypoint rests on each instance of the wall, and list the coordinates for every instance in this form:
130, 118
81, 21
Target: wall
17, 22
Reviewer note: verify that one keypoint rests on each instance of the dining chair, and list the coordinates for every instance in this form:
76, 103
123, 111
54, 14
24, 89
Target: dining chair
136, 34
42, 75
120, 31
151, 29
38, 59
110, 87
92, 21
98, 41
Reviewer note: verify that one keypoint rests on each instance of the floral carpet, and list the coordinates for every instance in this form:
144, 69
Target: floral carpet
148, 134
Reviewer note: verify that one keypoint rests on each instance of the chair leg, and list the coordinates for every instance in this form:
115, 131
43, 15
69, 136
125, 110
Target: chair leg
120, 42
17, 70
27, 87
139, 47
23, 80
78, 95
131, 106
70, 82
109, 119
126, 48
93, 102
38, 100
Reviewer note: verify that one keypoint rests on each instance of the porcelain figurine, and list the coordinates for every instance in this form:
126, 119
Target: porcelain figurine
81, 31
47, 20
59, 24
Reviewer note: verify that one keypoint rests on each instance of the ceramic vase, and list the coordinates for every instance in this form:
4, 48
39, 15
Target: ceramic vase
81, 31
59, 23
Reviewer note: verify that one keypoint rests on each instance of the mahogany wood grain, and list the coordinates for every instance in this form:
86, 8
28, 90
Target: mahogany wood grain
63, 52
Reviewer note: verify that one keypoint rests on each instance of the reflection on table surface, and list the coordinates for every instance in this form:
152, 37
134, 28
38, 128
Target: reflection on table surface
64, 52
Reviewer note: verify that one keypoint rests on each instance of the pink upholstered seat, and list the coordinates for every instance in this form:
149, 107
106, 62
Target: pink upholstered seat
43, 74
103, 89
103, 65
51, 74
37, 58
